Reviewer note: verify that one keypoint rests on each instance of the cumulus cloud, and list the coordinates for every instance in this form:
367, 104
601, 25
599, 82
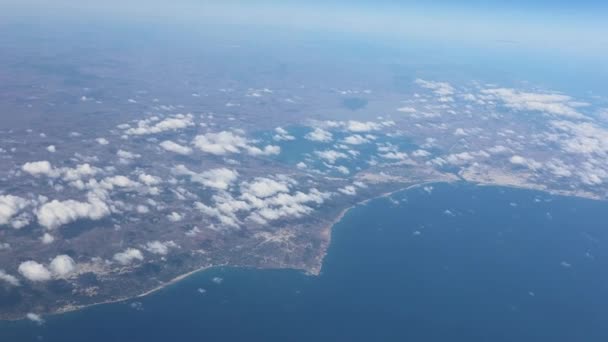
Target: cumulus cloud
391, 152
348, 190
10, 206
153, 126
285, 205
102, 141
79, 172
45, 168
556, 104
319, 135
34, 271
39, 168
9, 279
460, 158
406, 109
149, 179
359, 126
582, 138
47, 238
225, 142
51, 148
282, 135
220, 178
421, 153
440, 88
174, 217
264, 187
160, 248
128, 256
56, 213
526, 162
330, 155
127, 155
118, 181
171, 146
357, 139
262, 200
62, 265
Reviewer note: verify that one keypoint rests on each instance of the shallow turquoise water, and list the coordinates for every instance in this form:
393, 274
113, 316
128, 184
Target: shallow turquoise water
462, 263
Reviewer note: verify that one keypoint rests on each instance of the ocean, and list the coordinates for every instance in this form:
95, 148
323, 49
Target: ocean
457, 262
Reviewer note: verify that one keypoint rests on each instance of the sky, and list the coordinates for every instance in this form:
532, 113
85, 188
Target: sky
577, 26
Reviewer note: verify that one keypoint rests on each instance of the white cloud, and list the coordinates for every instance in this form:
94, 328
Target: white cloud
220, 178
47, 238
175, 147
62, 265
527, 162
460, 158
34, 271
390, 151
226, 142
68, 174
285, 205
439, 88
128, 256
498, 149
348, 190
9, 279
174, 217
51, 148
266, 200
356, 139
282, 135
39, 168
582, 138
160, 248
149, 179
556, 104
421, 153
142, 209
56, 213
320, 135
127, 155
330, 155
359, 126
102, 141
408, 110
264, 187
10, 206
150, 126
118, 181
79, 172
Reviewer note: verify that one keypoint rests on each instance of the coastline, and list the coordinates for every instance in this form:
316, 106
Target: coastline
327, 230
315, 270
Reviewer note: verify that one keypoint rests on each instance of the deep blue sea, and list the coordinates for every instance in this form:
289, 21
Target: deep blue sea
458, 263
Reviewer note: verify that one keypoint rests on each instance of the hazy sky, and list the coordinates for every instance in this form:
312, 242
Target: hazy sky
579, 26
